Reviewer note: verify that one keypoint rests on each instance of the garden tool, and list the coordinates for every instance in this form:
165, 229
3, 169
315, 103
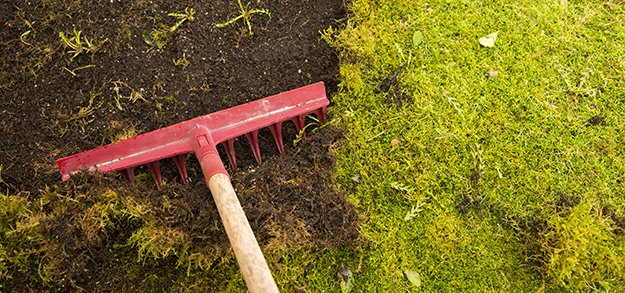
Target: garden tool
200, 136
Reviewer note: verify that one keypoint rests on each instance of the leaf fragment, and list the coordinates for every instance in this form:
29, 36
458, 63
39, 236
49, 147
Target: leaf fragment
413, 277
489, 41
417, 38
345, 276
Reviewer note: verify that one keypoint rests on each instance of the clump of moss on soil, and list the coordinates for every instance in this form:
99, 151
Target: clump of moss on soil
91, 222
293, 199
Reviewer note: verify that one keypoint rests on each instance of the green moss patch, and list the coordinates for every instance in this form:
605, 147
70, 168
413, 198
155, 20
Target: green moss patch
511, 150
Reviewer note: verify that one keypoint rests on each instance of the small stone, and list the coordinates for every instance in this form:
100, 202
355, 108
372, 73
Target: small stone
493, 73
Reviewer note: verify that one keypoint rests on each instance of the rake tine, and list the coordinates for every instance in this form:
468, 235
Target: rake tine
299, 124
182, 168
229, 146
321, 115
156, 173
276, 130
129, 174
252, 137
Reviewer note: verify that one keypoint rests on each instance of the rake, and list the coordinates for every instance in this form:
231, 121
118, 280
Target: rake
200, 136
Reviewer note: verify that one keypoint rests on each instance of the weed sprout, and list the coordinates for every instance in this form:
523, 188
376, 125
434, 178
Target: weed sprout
79, 46
160, 37
246, 14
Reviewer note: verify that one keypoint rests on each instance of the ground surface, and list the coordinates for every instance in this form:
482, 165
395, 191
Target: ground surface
42, 102
494, 167
55, 103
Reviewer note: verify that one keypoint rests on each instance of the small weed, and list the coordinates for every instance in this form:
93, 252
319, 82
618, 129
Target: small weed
133, 97
28, 32
73, 72
414, 211
187, 15
79, 46
160, 37
302, 132
246, 14
22, 37
182, 61
84, 112
117, 102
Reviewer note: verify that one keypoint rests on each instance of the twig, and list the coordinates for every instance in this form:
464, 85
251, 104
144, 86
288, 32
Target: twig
376, 136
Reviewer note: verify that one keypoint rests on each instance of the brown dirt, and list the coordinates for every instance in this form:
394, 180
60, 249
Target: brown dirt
41, 104
48, 112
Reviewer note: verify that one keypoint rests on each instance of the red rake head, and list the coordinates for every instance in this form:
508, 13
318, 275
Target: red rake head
223, 126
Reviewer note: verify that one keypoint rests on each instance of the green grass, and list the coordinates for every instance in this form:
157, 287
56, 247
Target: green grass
518, 142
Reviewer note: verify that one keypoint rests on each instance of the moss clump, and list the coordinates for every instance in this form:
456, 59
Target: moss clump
20, 244
580, 249
178, 221
78, 225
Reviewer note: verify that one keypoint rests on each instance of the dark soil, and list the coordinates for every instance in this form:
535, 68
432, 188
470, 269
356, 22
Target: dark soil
597, 120
395, 95
41, 104
54, 106
619, 221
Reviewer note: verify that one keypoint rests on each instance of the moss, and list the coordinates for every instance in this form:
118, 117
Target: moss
580, 248
487, 157
20, 244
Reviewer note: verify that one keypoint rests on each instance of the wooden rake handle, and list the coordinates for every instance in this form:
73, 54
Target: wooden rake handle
251, 261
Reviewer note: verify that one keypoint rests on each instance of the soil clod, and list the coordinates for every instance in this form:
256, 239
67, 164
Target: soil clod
597, 120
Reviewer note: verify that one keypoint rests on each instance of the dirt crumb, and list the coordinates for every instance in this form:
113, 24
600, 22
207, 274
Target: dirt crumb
597, 120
